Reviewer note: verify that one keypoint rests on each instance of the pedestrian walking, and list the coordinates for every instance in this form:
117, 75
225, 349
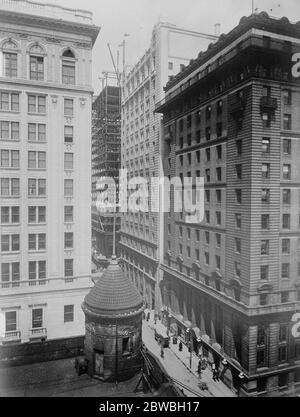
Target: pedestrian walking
180, 346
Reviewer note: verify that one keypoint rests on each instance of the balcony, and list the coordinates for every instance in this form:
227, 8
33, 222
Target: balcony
38, 333
268, 104
12, 336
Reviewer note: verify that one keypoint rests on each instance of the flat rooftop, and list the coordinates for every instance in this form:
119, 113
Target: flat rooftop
49, 10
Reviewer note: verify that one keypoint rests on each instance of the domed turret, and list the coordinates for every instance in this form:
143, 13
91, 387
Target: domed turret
113, 315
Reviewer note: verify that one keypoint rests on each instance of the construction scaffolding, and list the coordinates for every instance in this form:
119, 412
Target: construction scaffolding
106, 162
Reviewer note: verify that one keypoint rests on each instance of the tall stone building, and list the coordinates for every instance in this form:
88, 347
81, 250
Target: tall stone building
232, 117
45, 182
170, 50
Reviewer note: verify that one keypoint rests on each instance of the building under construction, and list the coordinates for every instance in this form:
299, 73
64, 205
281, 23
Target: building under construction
106, 156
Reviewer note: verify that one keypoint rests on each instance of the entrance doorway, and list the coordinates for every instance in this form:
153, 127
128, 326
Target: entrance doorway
99, 363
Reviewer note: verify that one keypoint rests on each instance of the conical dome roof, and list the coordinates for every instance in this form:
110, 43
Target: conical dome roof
113, 294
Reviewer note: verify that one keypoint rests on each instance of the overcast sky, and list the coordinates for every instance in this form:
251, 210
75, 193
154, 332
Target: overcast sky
137, 18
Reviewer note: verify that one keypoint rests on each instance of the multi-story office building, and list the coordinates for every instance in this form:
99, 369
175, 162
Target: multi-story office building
141, 233
45, 153
106, 163
232, 117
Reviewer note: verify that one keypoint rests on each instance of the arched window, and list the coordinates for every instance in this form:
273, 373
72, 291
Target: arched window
68, 67
36, 62
10, 58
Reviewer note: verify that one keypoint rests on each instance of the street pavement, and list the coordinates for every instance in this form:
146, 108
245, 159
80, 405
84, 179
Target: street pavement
177, 366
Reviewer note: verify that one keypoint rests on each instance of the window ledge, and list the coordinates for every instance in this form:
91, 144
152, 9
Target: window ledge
10, 168
36, 113
37, 141
9, 140
37, 169
10, 111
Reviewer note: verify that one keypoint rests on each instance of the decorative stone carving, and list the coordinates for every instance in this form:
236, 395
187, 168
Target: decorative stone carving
53, 40
82, 101
36, 49
54, 99
9, 44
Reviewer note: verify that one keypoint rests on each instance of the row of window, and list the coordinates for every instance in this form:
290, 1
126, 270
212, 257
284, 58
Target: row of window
36, 242
10, 187
37, 66
11, 324
36, 214
36, 132
10, 272
10, 101
36, 160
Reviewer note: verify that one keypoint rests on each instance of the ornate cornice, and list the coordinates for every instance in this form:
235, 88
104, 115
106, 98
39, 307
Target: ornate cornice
51, 24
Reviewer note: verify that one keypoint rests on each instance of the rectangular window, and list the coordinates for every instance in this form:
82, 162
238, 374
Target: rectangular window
36, 104
68, 134
207, 216
207, 258
218, 240
237, 266
68, 107
287, 122
238, 196
69, 240
282, 354
37, 318
9, 101
68, 268
286, 196
37, 68
264, 272
36, 132
263, 299
219, 196
5, 215
238, 245
218, 218
68, 214
208, 133
238, 144
287, 97
265, 171
10, 64
265, 195
207, 175
207, 196
265, 220
68, 72
68, 160
285, 271
286, 172
264, 247
207, 151
219, 129
68, 188
219, 173
286, 220
287, 146
284, 297
285, 246
265, 145
68, 313
238, 220
10, 321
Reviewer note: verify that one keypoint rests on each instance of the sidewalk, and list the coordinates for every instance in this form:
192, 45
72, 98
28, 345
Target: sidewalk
173, 359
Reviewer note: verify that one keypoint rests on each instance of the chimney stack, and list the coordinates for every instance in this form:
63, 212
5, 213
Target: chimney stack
217, 29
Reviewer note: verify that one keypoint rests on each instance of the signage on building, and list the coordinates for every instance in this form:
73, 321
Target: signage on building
296, 66
296, 326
